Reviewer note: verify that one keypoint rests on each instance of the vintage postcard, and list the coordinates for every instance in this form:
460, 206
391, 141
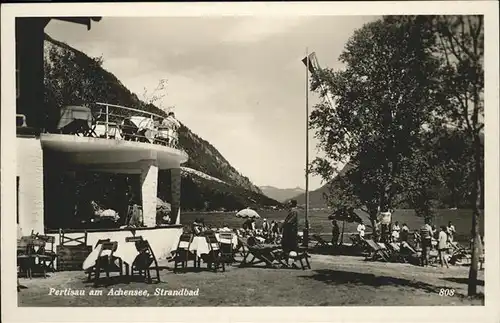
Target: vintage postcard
250, 162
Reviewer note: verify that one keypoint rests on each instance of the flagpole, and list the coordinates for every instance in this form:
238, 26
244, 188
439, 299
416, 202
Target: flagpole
306, 229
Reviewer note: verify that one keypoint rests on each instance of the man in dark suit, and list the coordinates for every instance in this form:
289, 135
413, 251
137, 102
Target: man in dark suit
290, 229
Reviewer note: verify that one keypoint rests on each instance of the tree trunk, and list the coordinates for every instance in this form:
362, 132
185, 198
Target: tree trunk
476, 193
342, 234
373, 220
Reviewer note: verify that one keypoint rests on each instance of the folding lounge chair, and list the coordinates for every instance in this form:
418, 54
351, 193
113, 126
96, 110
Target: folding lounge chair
376, 251
301, 256
396, 253
259, 256
320, 242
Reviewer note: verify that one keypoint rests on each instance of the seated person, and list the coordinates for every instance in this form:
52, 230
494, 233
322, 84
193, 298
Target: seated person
195, 227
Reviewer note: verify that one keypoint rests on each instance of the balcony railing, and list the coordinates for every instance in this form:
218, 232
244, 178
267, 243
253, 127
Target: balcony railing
110, 121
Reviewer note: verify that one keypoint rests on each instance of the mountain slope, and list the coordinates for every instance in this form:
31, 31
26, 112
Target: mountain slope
281, 194
71, 77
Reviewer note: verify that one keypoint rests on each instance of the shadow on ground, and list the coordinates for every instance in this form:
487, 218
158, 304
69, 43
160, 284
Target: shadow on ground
465, 281
338, 277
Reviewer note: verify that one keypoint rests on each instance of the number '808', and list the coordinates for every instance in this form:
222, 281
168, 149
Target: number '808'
446, 292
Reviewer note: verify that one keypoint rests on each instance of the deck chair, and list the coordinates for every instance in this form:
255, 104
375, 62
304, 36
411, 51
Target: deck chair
182, 254
258, 256
107, 263
145, 260
213, 258
302, 257
226, 247
395, 252
320, 242
458, 253
376, 251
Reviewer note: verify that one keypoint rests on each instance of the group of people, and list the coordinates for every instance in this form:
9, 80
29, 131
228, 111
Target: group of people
429, 237
271, 230
284, 232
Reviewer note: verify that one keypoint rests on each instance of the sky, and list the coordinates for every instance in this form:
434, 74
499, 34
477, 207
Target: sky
238, 82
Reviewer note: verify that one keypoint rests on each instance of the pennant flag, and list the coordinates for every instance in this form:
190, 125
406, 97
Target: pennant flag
312, 60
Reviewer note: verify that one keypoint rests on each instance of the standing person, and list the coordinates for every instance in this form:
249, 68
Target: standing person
172, 125
450, 230
405, 232
443, 246
247, 225
290, 229
395, 232
275, 230
265, 227
361, 230
335, 233
426, 241
252, 226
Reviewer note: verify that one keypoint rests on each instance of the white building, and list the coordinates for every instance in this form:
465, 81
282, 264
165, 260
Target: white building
41, 155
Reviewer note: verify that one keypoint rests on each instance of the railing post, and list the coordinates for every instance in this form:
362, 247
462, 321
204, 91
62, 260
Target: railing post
107, 121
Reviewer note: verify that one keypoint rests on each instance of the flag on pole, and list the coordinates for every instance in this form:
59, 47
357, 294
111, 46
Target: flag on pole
313, 68
313, 62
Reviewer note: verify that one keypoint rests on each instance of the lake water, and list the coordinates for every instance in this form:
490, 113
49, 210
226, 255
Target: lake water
319, 223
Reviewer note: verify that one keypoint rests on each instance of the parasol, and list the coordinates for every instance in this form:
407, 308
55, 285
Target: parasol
248, 213
345, 215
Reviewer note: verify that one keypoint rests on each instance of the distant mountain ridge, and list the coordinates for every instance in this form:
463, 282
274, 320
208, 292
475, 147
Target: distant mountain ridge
281, 194
71, 77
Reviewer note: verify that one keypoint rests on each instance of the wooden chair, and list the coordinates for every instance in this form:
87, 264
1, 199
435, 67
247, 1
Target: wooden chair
72, 252
143, 261
65, 240
213, 258
182, 254
91, 270
26, 256
226, 247
47, 256
107, 263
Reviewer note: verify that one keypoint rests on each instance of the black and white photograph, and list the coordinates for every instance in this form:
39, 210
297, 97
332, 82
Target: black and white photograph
254, 159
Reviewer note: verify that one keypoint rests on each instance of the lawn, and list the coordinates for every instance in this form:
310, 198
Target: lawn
333, 281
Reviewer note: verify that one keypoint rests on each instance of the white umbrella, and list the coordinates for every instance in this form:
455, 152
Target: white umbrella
248, 213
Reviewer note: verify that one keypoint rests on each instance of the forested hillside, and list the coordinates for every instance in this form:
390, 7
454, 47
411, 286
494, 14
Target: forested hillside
71, 77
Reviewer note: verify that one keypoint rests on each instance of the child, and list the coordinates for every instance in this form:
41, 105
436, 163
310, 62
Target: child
442, 246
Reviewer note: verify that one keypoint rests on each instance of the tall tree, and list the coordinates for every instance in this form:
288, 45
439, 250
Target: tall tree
383, 99
460, 42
